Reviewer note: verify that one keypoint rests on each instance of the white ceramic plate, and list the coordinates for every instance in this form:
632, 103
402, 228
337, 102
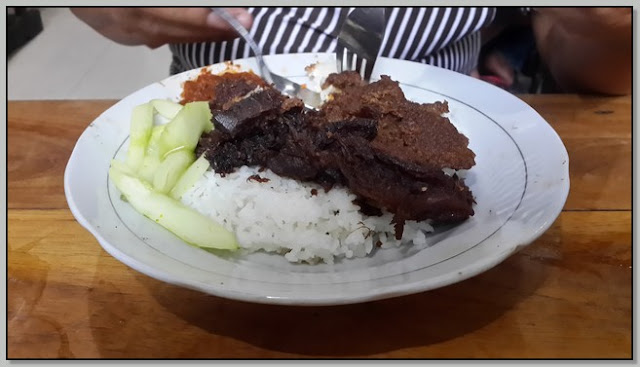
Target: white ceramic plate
520, 183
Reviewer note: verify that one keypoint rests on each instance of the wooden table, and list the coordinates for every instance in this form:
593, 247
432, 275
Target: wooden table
566, 295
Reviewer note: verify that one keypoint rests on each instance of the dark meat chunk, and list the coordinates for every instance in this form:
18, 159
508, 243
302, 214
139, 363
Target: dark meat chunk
388, 151
344, 80
409, 131
241, 116
249, 132
411, 194
257, 178
409, 191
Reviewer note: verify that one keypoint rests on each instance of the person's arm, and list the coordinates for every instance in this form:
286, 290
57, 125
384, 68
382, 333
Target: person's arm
586, 49
155, 27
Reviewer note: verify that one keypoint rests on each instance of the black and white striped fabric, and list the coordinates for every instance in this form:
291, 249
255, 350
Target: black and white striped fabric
445, 37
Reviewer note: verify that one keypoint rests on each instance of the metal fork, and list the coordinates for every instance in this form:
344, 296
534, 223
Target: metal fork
281, 83
359, 41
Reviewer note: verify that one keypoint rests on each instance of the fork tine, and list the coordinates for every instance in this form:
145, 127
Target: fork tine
351, 60
368, 70
347, 60
340, 57
359, 64
346, 64
346, 57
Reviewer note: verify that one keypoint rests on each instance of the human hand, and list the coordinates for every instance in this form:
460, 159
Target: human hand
155, 27
586, 49
598, 23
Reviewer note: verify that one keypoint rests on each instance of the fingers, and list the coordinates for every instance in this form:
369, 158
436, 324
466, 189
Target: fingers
158, 26
186, 25
242, 15
601, 23
498, 65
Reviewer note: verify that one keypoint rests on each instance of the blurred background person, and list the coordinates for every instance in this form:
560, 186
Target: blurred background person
576, 49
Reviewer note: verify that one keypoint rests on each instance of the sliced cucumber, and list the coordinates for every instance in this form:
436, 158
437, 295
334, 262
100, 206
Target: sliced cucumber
152, 157
171, 168
139, 133
153, 148
191, 226
166, 108
121, 166
149, 167
184, 130
189, 177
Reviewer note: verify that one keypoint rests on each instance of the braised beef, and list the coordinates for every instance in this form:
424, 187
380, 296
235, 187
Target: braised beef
388, 151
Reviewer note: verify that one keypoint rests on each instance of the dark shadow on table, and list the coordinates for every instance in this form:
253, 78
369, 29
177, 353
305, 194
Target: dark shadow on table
347, 331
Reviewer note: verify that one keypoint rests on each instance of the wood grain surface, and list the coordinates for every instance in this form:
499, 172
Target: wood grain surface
566, 295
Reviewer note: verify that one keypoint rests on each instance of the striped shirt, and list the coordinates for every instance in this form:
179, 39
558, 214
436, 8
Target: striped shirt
444, 37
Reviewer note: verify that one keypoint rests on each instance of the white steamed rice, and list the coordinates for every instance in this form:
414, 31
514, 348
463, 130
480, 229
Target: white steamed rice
283, 216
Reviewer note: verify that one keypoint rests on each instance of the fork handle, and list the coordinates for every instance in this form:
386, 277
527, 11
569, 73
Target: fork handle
247, 38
